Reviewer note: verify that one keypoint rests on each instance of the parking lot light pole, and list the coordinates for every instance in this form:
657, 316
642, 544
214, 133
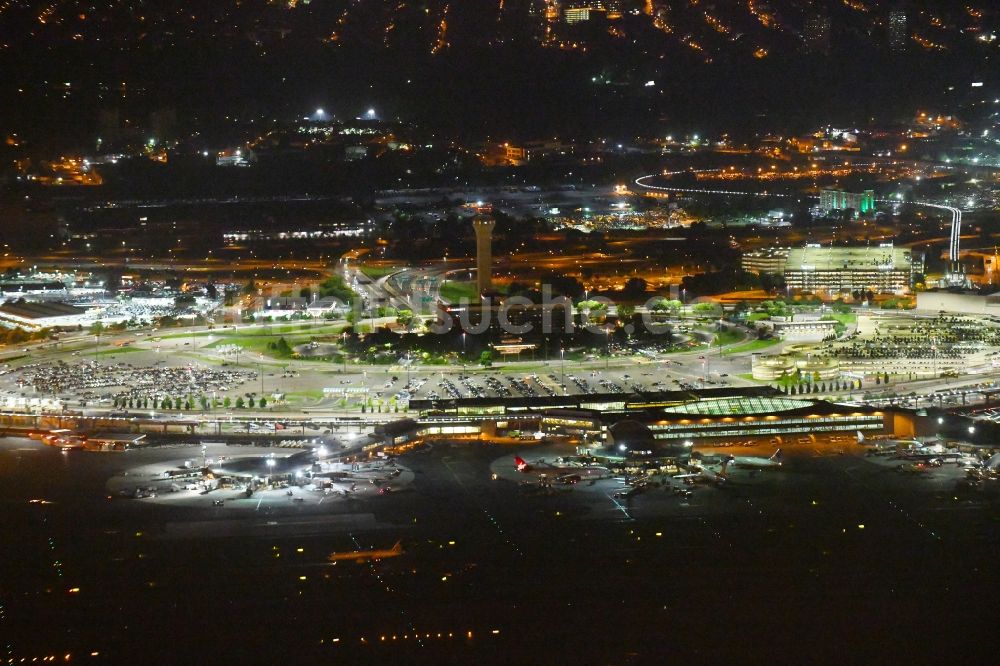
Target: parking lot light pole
607, 352
562, 369
343, 349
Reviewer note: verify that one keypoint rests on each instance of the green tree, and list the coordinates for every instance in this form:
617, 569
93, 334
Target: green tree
336, 287
706, 308
591, 305
239, 403
405, 318
635, 286
665, 305
263, 402
282, 348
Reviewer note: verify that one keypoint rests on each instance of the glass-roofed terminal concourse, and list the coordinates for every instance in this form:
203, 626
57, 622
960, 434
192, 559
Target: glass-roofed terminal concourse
706, 414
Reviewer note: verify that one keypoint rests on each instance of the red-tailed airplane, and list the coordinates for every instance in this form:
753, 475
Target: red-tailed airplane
556, 473
362, 556
61, 438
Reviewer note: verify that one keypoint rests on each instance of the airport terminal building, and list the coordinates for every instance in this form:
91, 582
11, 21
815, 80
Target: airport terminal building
34, 316
673, 417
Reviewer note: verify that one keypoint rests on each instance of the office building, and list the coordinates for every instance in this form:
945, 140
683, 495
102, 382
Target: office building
897, 29
816, 33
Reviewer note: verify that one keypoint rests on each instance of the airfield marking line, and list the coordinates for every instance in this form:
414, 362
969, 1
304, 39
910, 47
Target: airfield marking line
619, 506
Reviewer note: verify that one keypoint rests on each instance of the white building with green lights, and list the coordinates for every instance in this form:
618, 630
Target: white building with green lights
862, 203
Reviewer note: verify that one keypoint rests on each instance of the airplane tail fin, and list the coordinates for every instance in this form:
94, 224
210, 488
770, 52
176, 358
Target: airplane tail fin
519, 462
775, 455
993, 462
861, 437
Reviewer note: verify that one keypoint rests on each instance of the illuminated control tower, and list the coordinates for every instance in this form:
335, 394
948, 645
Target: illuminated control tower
484, 253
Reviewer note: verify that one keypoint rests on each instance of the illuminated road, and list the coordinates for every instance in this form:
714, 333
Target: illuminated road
956, 213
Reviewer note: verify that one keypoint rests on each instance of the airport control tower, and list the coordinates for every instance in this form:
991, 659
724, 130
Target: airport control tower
484, 253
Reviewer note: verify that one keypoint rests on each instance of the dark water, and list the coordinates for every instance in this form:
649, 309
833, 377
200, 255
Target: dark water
774, 568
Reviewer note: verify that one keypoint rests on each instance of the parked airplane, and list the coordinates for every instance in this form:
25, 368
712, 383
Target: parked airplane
362, 556
993, 463
983, 471
628, 493
886, 445
561, 472
756, 462
936, 456
62, 438
698, 472
912, 449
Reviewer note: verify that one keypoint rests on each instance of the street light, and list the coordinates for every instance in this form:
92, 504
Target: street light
270, 468
607, 351
343, 349
562, 369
